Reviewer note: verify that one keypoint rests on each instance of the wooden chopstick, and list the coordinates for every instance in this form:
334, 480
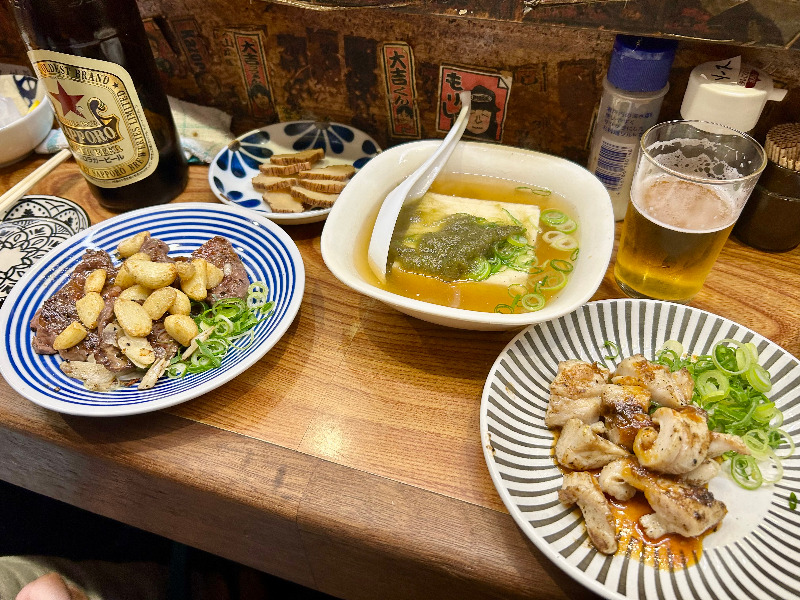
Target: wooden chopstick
19, 190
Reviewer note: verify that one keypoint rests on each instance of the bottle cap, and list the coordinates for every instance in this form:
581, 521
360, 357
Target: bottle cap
729, 93
640, 64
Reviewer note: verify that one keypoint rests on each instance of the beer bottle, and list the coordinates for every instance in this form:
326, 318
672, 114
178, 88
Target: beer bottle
95, 60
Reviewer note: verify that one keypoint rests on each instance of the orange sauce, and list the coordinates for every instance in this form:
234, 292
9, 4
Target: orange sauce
671, 551
469, 295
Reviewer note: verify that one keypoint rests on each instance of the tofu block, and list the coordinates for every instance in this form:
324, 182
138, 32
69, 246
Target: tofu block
435, 207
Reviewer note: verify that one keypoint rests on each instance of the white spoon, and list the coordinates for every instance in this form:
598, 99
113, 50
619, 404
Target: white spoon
413, 186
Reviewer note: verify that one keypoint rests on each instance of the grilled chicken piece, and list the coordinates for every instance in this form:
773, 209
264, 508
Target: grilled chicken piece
580, 448
575, 393
700, 476
668, 389
624, 411
724, 442
612, 481
679, 445
679, 508
581, 488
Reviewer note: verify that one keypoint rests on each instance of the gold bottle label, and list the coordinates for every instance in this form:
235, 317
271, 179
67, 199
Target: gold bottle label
101, 116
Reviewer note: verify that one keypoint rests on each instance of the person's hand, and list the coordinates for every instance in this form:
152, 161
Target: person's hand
50, 587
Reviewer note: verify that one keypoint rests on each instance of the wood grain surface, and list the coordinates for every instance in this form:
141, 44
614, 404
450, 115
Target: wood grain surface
348, 459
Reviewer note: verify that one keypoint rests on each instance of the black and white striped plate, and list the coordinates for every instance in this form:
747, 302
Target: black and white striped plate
756, 551
268, 253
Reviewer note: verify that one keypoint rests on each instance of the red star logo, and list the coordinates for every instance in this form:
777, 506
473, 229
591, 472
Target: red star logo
68, 102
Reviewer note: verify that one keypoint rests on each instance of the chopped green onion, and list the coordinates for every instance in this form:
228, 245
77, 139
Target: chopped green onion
553, 217
614, 349
229, 320
553, 281
792, 501
730, 386
561, 265
567, 226
745, 471
534, 190
533, 301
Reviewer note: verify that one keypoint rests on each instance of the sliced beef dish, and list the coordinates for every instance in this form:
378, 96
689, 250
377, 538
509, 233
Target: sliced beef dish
100, 344
219, 252
59, 310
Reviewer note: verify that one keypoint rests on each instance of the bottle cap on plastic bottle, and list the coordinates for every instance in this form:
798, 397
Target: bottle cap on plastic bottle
729, 93
640, 64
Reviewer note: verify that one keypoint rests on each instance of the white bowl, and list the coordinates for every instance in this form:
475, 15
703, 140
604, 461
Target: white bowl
20, 137
350, 222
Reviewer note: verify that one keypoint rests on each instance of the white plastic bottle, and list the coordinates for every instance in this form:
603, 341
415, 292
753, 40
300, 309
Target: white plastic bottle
728, 92
633, 91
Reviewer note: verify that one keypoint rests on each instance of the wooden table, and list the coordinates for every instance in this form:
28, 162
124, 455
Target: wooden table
349, 458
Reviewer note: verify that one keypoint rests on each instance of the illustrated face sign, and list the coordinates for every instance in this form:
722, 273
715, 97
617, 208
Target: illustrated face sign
490, 93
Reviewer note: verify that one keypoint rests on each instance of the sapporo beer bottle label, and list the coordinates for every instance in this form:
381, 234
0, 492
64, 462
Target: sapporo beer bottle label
101, 116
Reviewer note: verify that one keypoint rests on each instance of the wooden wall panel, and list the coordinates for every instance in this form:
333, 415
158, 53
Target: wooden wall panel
264, 62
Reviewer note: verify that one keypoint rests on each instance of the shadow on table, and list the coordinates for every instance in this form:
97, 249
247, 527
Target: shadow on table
33, 524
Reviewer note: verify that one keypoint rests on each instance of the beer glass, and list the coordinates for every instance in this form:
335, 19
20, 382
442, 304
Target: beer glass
691, 182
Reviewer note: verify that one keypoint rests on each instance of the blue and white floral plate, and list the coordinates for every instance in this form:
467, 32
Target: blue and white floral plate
754, 554
234, 167
268, 254
30, 229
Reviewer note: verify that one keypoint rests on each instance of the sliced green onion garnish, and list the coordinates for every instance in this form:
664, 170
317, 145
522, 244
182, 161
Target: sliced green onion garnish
745, 471
534, 190
730, 386
552, 281
553, 217
792, 501
231, 319
533, 301
567, 226
561, 265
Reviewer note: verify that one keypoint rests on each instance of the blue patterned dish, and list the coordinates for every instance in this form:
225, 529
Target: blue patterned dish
233, 168
756, 549
30, 229
268, 254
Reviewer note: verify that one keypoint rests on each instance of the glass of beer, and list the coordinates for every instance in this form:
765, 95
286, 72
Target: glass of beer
691, 182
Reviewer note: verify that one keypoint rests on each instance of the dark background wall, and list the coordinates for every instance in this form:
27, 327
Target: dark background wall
265, 62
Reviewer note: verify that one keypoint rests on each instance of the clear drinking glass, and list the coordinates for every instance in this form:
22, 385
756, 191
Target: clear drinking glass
691, 182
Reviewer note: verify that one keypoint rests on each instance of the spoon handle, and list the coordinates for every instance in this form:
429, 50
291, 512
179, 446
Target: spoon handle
433, 166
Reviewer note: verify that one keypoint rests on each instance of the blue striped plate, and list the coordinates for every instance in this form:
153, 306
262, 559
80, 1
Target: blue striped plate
268, 254
756, 551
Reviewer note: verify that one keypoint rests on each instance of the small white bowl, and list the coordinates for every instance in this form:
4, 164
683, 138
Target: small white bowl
20, 137
350, 222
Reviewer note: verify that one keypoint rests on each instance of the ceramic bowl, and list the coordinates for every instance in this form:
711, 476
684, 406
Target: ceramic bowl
349, 225
20, 137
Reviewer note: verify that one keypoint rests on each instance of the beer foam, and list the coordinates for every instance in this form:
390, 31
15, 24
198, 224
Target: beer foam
684, 205
699, 164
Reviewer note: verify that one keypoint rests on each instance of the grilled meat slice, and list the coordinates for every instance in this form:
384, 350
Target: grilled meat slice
679, 445
219, 252
575, 393
580, 448
725, 442
679, 507
625, 412
704, 473
59, 310
581, 487
156, 249
672, 389
612, 481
